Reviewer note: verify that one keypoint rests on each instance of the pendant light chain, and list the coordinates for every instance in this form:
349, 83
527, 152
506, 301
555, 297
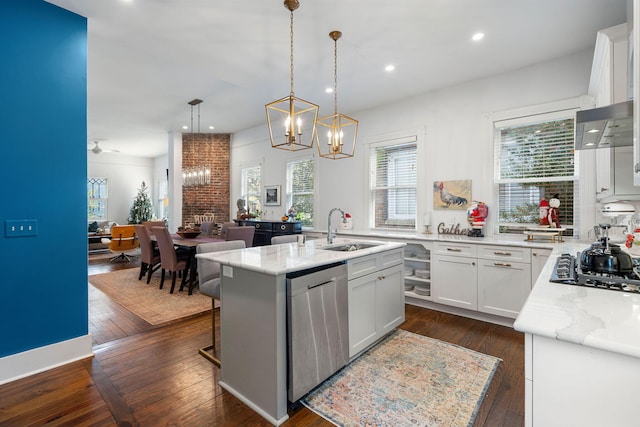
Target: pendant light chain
291, 54
335, 76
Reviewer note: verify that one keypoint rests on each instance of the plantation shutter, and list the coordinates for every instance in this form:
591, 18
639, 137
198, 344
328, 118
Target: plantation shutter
393, 183
534, 161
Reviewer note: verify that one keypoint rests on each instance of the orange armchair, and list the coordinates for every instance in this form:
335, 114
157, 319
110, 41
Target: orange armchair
123, 240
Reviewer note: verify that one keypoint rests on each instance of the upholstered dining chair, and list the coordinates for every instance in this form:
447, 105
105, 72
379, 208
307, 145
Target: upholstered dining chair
209, 284
225, 226
289, 238
123, 241
149, 254
170, 259
245, 233
151, 224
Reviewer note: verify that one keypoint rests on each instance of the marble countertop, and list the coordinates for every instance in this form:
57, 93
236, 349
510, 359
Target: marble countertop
519, 240
286, 258
598, 318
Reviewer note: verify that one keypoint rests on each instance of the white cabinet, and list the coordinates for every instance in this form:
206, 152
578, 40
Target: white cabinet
504, 279
454, 276
376, 297
503, 287
539, 258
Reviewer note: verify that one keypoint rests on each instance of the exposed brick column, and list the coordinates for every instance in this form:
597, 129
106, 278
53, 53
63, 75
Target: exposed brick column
213, 150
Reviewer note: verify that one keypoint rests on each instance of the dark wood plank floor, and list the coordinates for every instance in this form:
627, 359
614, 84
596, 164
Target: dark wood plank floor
153, 376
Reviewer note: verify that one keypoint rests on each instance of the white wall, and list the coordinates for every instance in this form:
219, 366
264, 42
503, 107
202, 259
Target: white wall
125, 175
455, 142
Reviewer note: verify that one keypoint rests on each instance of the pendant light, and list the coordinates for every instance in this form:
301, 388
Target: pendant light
342, 130
291, 120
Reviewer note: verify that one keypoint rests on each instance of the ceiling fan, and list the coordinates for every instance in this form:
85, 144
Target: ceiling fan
97, 150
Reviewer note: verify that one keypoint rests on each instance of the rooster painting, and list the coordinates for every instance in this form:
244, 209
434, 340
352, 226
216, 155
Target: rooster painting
451, 194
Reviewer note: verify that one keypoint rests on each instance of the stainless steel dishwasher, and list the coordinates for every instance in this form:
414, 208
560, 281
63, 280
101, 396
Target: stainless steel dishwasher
317, 326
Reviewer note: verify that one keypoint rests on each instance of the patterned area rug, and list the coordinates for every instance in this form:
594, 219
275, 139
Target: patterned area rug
407, 380
156, 306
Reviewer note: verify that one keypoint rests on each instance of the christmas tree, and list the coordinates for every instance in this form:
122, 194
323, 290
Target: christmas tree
142, 210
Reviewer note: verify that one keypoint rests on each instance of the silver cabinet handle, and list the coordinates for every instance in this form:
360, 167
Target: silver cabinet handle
502, 253
501, 264
454, 249
381, 277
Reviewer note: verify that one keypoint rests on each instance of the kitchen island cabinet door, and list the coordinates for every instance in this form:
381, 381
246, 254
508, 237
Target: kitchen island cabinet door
389, 299
362, 313
503, 287
376, 307
454, 281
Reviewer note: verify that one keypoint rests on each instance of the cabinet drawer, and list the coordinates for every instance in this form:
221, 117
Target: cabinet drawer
505, 253
457, 248
358, 267
391, 258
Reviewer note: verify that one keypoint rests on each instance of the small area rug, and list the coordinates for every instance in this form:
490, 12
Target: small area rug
407, 380
156, 306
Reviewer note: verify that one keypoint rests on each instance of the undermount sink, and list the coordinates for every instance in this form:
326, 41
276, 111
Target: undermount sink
350, 247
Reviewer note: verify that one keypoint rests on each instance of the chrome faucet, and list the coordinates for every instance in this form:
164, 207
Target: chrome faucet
331, 234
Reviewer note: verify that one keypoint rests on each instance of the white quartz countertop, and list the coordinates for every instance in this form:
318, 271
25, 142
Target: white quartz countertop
287, 258
516, 240
599, 318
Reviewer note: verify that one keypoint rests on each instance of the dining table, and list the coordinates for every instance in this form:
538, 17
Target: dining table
190, 245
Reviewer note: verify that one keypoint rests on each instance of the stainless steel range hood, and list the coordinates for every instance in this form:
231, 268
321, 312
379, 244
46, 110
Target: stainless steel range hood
605, 127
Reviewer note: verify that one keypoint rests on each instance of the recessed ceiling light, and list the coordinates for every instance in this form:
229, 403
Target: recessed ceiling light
185, 127
593, 131
477, 36
389, 68
329, 90
211, 127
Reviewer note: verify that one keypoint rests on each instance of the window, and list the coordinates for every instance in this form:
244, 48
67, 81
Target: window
300, 186
393, 184
251, 187
534, 160
97, 198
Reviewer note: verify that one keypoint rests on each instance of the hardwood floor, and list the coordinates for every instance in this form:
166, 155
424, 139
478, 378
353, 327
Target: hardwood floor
151, 376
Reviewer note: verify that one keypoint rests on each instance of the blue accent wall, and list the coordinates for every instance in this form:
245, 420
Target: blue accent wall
43, 171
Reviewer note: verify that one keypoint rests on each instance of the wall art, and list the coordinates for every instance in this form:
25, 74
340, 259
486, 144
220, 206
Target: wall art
452, 194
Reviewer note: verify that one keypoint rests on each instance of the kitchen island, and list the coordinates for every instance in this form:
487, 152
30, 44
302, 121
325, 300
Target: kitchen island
582, 352
253, 313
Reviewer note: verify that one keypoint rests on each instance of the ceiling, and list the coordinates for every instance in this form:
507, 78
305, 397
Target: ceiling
148, 58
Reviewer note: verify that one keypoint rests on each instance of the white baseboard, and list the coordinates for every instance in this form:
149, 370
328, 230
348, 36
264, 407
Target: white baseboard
30, 362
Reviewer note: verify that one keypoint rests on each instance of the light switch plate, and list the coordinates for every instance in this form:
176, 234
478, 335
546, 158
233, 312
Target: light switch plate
21, 227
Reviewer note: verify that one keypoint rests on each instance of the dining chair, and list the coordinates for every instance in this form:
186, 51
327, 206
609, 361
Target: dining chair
151, 224
209, 285
171, 260
225, 226
149, 254
245, 233
123, 241
289, 238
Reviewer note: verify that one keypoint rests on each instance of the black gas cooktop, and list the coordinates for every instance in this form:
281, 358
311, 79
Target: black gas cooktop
567, 270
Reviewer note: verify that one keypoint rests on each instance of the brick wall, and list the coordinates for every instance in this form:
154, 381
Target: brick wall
212, 150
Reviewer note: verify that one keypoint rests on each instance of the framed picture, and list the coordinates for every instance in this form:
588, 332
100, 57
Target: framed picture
272, 195
452, 194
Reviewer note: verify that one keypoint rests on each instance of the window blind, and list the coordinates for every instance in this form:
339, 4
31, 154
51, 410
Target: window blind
534, 161
300, 189
393, 184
